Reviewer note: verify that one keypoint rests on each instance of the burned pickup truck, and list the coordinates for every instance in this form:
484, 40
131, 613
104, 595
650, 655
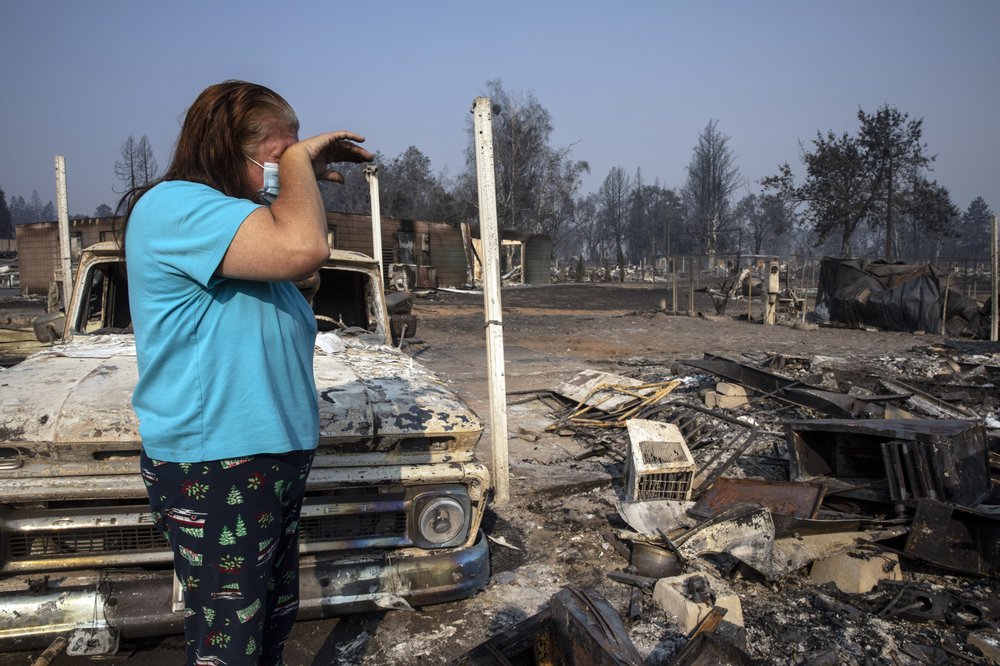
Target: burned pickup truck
393, 503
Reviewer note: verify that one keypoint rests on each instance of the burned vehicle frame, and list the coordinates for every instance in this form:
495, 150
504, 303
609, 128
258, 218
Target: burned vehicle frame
393, 503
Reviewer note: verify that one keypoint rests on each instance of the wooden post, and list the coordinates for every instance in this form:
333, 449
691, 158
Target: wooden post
371, 175
993, 281
673, 278
62, 209
944, 305
486, 178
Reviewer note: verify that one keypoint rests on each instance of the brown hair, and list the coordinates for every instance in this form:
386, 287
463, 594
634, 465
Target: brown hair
225, 123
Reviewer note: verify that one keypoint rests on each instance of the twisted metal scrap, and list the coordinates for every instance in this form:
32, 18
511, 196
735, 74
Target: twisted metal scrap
617, 418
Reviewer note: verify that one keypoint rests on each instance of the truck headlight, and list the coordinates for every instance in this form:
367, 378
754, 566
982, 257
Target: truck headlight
442, 520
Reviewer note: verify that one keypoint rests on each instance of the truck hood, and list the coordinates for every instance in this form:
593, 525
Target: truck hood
71, 405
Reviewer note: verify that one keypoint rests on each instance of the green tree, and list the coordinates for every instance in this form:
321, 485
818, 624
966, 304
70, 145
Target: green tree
19, 211
839, 191
975, 230
928, 218
874, 177
892, 145
6, 221
536, 183
764, 218
409, 189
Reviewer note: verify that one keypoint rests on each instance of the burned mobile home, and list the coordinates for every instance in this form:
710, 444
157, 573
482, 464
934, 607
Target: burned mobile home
393, 504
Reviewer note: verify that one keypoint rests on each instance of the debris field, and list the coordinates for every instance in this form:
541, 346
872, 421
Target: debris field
749, 494
708, 490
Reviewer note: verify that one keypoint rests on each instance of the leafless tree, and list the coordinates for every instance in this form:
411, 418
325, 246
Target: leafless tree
137, 166
613, 199
712, 179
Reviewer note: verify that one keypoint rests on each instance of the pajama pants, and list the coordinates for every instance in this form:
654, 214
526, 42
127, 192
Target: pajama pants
233, 528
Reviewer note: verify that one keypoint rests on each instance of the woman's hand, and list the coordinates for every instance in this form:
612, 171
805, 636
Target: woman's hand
324, 149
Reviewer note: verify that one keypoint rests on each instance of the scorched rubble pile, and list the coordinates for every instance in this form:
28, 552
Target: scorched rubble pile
780, 509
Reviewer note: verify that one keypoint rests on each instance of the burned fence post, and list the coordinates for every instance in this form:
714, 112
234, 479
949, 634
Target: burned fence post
66, 270
486, 179
371, 175
993, 281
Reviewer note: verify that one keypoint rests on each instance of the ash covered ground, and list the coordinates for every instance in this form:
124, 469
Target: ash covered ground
565, 482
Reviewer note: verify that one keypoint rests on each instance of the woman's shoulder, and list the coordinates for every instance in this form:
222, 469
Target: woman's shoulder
181, 188
180, 197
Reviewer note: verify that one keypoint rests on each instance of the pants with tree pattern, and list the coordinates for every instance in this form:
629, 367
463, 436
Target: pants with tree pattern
233, 527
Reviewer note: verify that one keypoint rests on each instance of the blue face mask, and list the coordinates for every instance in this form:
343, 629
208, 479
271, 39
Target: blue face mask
270, 190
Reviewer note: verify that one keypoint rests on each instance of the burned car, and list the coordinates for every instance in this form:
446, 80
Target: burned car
393, 503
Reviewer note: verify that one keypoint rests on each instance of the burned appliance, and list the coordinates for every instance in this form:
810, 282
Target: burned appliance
894, 459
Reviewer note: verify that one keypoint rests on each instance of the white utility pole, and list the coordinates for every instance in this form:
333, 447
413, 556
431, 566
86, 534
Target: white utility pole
371, 175
486, 177
62, 208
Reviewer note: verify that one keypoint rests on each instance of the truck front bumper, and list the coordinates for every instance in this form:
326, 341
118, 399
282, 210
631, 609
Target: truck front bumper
130, 604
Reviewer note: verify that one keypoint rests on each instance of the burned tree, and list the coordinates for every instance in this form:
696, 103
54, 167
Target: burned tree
137, 166
713, 177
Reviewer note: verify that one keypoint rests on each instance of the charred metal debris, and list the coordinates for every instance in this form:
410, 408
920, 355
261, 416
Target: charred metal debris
869, 495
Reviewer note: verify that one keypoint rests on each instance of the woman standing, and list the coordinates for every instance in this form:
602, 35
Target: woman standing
224, 342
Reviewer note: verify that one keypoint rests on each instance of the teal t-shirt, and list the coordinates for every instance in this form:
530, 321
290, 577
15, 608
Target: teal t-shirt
225, 365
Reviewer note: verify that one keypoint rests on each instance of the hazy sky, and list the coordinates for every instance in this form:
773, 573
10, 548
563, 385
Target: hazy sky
629, 84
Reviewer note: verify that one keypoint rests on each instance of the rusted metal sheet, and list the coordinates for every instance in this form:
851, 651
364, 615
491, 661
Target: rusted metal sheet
899, 459
801, 500
955, 538
791, 391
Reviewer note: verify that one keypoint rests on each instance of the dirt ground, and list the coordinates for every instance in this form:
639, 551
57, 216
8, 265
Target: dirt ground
549, 534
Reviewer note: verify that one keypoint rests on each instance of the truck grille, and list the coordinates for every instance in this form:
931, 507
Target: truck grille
48, 543
37, 540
